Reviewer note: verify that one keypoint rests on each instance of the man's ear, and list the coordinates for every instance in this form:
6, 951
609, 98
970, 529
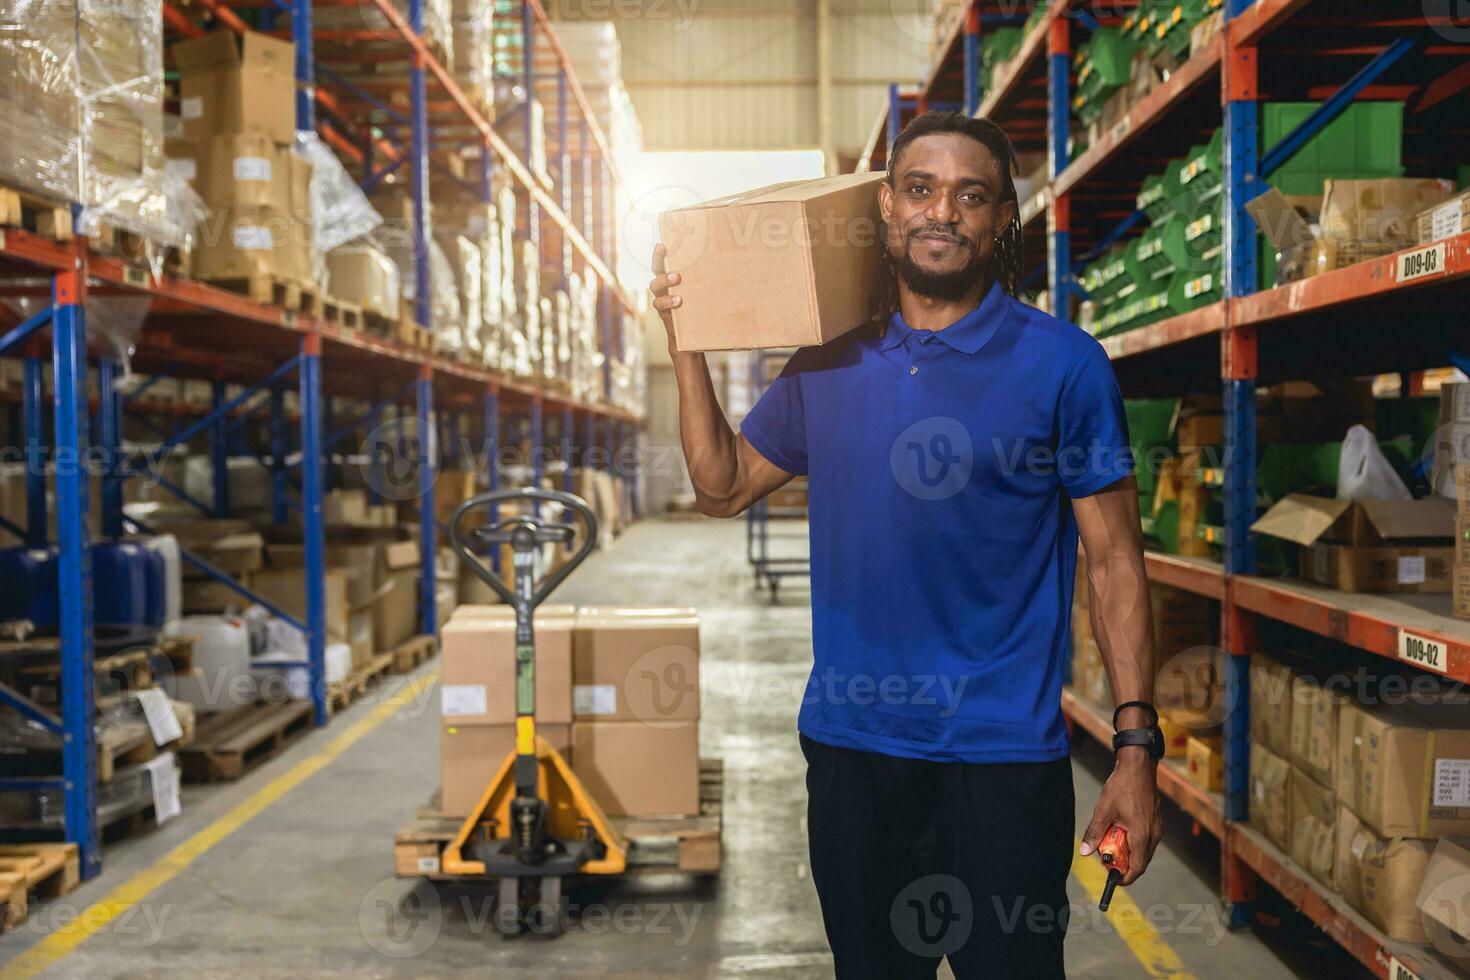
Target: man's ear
885, 201
1005, 214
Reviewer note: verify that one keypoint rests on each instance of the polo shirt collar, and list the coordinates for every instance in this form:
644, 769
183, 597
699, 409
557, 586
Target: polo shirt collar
967, 334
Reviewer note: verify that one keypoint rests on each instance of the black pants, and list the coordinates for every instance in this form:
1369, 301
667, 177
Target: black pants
916, 860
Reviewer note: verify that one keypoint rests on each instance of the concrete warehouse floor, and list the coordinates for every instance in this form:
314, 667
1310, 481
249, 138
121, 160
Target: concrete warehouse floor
289, 871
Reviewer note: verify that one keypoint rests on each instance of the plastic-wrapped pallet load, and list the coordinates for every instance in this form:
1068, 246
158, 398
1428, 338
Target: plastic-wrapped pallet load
81, 104
438, 23
340, 212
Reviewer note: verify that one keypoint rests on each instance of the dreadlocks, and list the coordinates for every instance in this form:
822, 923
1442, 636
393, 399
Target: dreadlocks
1005, 265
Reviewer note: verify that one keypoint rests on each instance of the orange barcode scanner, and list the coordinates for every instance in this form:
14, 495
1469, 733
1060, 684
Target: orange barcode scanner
1113, 850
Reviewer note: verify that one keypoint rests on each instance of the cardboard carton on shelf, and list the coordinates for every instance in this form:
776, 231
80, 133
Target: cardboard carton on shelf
1451, 471
1445, 220
1312, 815
1204, 761
1367, 545
1271, 703
636, 769
1270, 777
1380, 876
1460, 596
391, 562
471, 755
1314, 714
1405, 769
789, 265
235, 85
479, 669
286, 588
1444, 900
362, 274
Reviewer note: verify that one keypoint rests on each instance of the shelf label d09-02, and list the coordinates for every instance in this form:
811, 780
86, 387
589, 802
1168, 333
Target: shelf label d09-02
1422, 651
1421, 263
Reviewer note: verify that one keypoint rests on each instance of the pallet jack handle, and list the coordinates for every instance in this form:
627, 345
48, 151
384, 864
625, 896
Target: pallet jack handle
524, 529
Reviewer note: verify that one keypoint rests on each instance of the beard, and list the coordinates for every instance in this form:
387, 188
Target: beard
943, 286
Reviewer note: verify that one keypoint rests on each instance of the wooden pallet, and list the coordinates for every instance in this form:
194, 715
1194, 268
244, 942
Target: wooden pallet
379, 325
262, 288
120, 243
412, 652
415, 336
342, 693
309, 299
656, 845
231, 743
342, 313
21, 209
39, 871
118, 748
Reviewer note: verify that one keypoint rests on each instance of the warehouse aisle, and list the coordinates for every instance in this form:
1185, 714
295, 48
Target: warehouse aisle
304, 887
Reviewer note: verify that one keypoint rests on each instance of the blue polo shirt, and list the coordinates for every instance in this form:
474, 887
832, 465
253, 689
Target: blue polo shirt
941, 466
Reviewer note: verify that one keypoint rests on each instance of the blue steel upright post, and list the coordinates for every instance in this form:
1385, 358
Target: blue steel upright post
278, 454
219, 451
109, 436
305, 67
313, 530
1058, 88
419, 162
428, 611
74, 568
32, 401
566, 448
972, 58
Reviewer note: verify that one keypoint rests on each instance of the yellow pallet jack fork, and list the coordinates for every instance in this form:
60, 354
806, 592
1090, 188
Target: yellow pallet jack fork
535, 824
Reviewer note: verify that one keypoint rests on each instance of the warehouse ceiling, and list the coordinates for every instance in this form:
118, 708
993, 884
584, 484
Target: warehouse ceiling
743, 74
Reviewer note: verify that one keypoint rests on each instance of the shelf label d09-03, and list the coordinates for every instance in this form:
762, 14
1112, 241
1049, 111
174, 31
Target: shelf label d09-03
1422, 651
1421, 263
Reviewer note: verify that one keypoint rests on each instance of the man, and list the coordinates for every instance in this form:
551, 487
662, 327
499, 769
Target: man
954, 453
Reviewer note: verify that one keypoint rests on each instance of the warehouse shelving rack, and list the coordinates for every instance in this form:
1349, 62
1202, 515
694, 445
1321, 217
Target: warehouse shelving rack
195, 330
1369, 318
768, 566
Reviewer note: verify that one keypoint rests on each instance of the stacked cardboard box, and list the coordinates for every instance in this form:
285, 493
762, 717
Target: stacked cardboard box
237, 104
617, 693
1451, 478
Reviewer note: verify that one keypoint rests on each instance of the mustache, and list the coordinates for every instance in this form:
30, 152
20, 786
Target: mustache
938, 231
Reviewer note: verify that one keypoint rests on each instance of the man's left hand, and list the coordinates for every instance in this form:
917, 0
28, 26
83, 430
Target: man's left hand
1130, 799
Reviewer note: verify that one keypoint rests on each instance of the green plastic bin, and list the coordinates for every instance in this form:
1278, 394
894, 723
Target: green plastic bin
1365, 142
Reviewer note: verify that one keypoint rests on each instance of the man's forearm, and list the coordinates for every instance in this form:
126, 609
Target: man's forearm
1122, 624
709, 442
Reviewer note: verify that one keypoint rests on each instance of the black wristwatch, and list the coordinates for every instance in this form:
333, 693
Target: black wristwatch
1151, 738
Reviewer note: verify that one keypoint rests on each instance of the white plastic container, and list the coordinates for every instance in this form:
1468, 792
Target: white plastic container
221, 677
173, 578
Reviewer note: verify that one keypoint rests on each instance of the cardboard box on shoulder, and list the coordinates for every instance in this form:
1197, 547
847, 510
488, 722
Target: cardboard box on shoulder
1270, 805
1380, 876
1367, 545
230, 85
789, 265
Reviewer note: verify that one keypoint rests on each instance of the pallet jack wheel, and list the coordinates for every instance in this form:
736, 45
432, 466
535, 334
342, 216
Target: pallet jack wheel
546, 916
508, 907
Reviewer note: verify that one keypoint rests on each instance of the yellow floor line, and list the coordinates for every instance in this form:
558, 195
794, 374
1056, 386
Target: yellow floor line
1158, 957
96, 917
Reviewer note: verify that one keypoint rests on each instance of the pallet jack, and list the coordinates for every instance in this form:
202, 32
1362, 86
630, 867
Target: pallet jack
535, 824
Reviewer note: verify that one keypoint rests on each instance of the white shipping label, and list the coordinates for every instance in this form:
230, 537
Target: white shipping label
253, 237
595, 699
458, 700
1420, 263
1421, 651
1452, 782
163, 779
192, 107
1411, 570
1397, 970
428, 865
1447, 221
252, 168
183, 168
162, 721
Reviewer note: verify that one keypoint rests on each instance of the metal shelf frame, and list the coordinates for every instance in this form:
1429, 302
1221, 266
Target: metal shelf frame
1251, 335
198, 331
